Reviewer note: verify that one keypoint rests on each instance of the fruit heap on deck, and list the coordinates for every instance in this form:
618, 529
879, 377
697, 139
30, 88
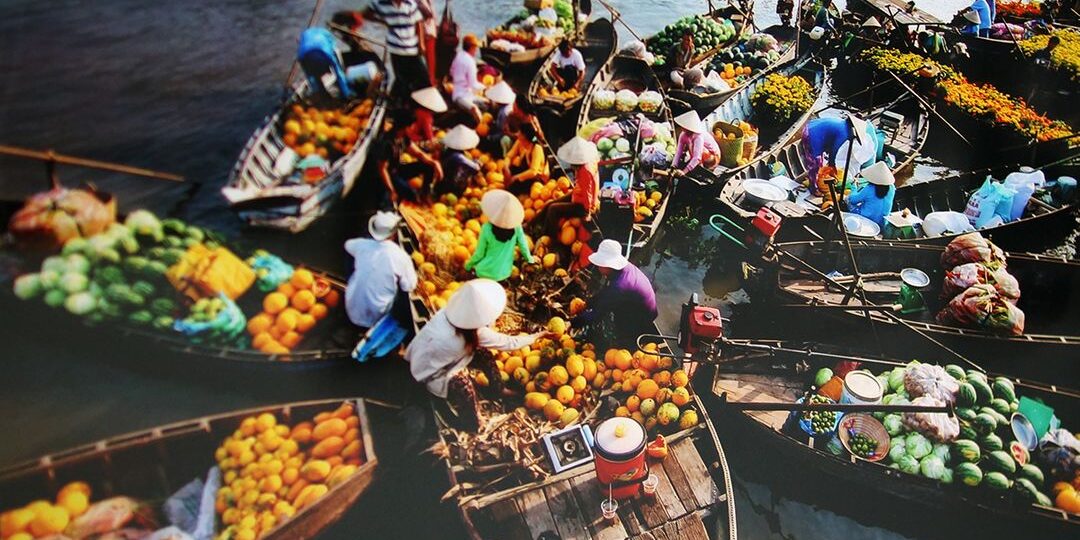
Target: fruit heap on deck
326, 133
532, 29
708, 33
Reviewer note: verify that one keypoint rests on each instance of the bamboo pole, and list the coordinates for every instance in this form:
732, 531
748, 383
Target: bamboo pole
52, 158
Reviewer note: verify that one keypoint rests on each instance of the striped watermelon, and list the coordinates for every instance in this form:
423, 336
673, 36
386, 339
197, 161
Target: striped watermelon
966, 450
968, 474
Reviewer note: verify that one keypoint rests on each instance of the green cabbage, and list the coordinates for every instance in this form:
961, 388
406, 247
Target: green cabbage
893, 424
918, 446
54, 264
28, 286
941, 450
897, 449
146, 224
896, 379
946, 476
73, 282
80, 303
77, 263
931, 466
908, 464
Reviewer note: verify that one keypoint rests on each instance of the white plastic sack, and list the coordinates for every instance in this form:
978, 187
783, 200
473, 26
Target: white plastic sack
941, 223
930, 380
937, 426
991, 199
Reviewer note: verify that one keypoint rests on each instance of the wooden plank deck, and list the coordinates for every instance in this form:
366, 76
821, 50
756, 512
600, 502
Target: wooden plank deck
897, 10
686, 495
760, 389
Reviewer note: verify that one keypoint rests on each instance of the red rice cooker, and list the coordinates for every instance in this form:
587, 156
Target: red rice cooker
620, 456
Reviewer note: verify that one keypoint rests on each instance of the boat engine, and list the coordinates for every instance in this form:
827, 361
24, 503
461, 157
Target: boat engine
700, 328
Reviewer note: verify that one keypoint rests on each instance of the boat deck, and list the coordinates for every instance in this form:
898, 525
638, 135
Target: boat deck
760, 389
897, 11
571, 505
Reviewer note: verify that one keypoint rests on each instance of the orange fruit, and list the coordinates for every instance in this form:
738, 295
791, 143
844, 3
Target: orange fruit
305, 322
318, 311
303, 300
647, 389
565, 394
332, 298
632, 403
286, 322
287, 289
275, 302
302, 278
679, 378
259, 324
623, 359
260, 339
291, 340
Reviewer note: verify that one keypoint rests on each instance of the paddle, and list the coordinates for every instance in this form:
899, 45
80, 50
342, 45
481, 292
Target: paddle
51, 158
930, 108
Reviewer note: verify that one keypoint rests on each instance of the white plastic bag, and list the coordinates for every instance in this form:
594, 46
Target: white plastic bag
948, 222
937, 426
930, 380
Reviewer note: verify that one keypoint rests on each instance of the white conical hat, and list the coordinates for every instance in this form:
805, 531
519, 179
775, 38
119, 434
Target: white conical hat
502, 208
461, 138
872, 22
860, 126
430, 98
578, 151
476, 304
972, 16
382, 225
879, 174
690, 121
501, 93
609, 255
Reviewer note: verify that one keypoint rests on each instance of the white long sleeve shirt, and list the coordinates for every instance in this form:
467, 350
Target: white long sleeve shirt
437, 353
463, 72
380, 268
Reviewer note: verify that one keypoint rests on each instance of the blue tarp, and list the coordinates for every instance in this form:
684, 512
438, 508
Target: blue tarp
317, 55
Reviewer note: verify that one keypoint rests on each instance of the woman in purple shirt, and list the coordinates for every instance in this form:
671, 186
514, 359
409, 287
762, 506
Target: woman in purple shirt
627, 294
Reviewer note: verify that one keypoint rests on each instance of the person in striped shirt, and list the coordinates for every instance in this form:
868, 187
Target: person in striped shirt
404, 29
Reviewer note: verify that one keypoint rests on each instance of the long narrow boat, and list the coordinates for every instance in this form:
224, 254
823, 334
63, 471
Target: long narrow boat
507, 60
151, 465
1046, 220
625, 72
692, 499
738, 108
267, 194
904, 124
706, 102
795, 293
740, 20
853, 486
598, 46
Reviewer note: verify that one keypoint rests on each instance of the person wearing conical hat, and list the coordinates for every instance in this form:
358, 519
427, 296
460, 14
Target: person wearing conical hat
460, 335
500, 237
427, 102
626, 294
584, 200
874, 200
696, 145
827, 141
503, 99
458, 168
380, 270
391, 147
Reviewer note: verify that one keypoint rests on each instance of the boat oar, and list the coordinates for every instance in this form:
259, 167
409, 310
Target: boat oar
618, 17
353, 34
930, 108
808, 354
296, 62
52, 158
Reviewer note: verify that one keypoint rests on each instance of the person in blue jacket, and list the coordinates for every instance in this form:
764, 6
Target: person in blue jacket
874, 200
985, 16
823, 137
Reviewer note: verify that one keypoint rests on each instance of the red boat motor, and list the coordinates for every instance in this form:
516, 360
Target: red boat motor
758, 237
699, 328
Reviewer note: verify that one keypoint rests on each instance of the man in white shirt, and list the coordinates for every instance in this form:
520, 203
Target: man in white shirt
568, 68
380, 270
463, 74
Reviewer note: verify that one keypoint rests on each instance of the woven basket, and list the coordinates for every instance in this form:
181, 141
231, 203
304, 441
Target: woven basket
731, 150
851, 424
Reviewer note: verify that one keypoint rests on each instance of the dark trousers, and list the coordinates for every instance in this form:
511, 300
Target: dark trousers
570, 76
410, 74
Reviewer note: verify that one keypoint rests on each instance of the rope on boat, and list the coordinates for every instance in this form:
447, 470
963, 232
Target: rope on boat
729, 490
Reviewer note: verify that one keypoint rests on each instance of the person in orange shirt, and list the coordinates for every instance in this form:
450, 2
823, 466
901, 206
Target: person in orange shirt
585, 198
526, 161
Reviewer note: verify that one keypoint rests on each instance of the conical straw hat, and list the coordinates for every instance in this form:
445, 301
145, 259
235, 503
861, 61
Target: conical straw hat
476, 304
502, 209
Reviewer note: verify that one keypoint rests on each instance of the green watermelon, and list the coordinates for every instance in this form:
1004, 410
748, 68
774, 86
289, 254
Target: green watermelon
967, 431
999, 418
1026, 490
956, 372
1001, 406
966, 450
1042, 500
1004, 389
1031, 472
965, 413
975, 374
983, 393
966, 396
1000, 460
991, 443
984, 423
996, 480
968, 473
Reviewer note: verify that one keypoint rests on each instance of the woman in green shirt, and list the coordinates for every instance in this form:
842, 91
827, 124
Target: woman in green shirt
499, 237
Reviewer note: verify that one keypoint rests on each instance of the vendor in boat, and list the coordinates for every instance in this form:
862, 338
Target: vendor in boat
380, 270
783, 10
823, 142
978, 18
458, 168
1042, 56
396, 170
502, 98
627, 295
680, 56
568, 68
404, 32
526, 162
584, 201
457, 337
463, 74
427, 103
500, 238
874, 200
696, 146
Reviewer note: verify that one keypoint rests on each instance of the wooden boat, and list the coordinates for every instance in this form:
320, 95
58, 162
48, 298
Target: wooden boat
151, 465
850, 486
738, 108
508, 61
904, 123
598, 47
693, 500
741, 21
264, 198
1049, 349
1043, 223
704, 103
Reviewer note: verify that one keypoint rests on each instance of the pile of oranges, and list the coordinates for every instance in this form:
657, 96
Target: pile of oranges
651, 392
326, 133
554, 92
42, 518
271, 470
291, 311
734, 75
556, 375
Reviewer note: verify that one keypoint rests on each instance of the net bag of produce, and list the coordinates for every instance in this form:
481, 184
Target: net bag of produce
937, 426
964, 276
980, 306
930, 380
972, 247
